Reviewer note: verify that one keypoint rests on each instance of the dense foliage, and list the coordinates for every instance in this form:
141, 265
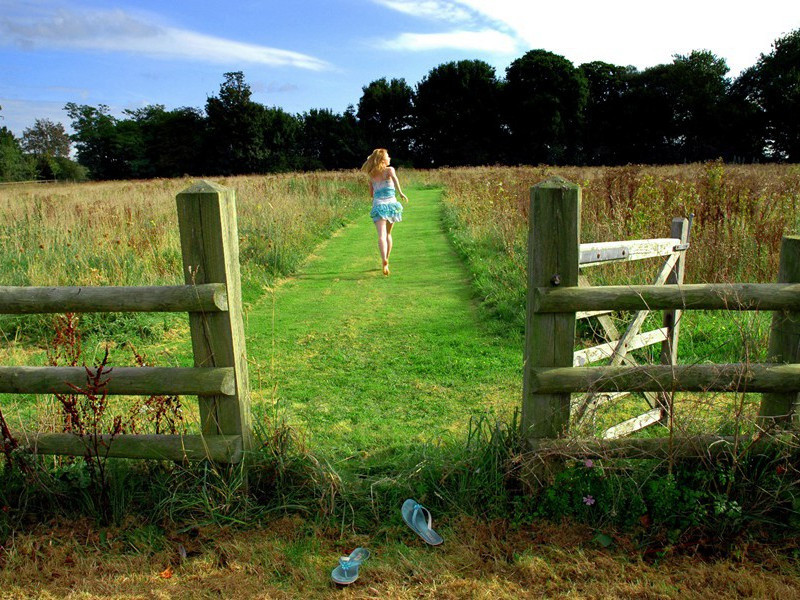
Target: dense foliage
462, 113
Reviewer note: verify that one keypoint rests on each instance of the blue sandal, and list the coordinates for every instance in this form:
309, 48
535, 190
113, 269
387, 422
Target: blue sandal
419, 519
347, 571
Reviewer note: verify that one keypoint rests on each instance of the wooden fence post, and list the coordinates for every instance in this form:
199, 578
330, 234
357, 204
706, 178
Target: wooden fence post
553, 257
210, 247
784, 338
672, 318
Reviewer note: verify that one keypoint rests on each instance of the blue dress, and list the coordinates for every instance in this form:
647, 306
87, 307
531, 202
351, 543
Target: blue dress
384, 204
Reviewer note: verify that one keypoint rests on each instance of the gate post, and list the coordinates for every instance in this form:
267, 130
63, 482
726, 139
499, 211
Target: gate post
553, 257
784, 339
210, 248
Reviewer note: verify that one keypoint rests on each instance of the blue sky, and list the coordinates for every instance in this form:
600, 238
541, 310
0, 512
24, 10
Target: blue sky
302, 54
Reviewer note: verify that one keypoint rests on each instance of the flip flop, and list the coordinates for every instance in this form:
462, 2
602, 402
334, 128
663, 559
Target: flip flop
347, 571
418, 518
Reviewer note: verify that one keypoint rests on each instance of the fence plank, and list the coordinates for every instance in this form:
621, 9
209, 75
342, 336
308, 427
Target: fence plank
703, 296
593, 313
602, 351
739, 377
672, 318
225, 449
553, 241
210, 248
178, 298
651, 417
784, 339
147, 381
600, 253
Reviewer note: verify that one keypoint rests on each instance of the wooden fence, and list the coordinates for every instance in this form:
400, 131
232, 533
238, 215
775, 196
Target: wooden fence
556, 299
211, 296
618, 346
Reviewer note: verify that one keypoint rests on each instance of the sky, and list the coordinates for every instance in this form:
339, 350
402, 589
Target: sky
304, 54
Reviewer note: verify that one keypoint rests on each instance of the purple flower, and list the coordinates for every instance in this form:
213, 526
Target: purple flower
588, 463
588, 500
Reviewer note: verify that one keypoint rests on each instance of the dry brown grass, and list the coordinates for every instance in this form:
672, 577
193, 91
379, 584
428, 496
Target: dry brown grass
126, 233
284, 560
741, 211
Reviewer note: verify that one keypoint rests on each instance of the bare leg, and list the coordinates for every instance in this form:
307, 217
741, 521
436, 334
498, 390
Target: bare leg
380, 226
389, 226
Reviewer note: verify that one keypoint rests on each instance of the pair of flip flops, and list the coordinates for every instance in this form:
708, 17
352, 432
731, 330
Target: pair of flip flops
347, 570
416, 516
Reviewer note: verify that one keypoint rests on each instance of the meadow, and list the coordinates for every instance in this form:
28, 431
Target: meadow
125, 233
332, 460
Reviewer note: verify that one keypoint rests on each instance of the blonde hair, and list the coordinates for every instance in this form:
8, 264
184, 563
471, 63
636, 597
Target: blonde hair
377, 161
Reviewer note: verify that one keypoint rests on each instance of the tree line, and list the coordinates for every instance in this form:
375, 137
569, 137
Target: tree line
545, 110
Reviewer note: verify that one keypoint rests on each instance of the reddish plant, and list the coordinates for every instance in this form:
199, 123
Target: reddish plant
9, 444
165, 413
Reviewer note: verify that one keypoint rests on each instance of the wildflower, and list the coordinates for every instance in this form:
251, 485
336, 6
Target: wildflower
588, 500
588, 463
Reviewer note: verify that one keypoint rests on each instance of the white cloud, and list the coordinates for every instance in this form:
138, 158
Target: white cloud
486, 40
121, 31
429, 9
626, 32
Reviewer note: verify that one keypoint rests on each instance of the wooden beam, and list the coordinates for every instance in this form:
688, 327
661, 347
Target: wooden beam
218, 448
130, 381
593, 313
80, 299
589, 355
601, 253
672, 318
657, 448
704, 296
584, 405
651, 417
553, 240
685, 378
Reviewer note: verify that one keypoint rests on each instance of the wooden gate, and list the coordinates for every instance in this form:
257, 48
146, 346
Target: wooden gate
617, 348
555, 300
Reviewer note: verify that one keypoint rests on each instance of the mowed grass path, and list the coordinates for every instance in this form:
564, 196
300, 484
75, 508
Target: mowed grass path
368, 364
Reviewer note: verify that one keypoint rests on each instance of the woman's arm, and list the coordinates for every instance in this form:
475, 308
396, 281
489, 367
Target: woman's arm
393, 175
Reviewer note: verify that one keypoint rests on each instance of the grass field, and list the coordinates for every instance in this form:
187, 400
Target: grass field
370, 389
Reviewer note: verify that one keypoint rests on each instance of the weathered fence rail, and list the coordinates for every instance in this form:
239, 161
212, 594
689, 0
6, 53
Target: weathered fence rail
211, 296
557, 296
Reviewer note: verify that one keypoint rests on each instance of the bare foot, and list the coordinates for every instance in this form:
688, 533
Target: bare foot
386, 267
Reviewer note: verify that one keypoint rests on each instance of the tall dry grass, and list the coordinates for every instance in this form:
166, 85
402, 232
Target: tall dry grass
126, 233
741, 212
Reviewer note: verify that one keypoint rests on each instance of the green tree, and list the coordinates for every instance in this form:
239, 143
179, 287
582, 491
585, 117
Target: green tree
700, 91
605, 113
674, 111
457, 113
544, 97
280, 140
99, 144
14, 165
234, 122
167, 143
772, 86
331, 140
385, 114
46, 138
